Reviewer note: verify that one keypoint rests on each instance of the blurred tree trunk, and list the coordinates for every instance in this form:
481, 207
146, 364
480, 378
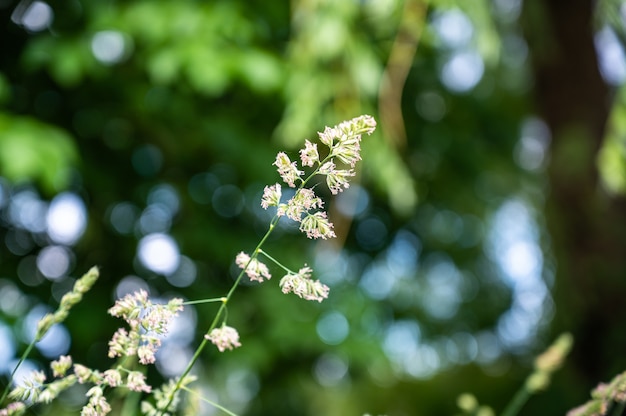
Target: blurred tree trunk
587, 226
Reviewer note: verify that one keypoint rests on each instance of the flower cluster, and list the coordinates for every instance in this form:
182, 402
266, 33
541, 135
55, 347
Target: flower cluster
287, 169
224, 338
253, 267
97, 405
146, 320
13, 409
302, 285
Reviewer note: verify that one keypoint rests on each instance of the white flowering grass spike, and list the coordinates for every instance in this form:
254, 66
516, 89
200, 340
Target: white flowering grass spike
305, 207
344, 146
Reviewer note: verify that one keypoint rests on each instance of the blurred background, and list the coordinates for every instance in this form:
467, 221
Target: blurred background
488, 215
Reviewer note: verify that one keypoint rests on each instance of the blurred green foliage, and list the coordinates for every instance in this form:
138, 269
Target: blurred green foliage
32, 150
612, 156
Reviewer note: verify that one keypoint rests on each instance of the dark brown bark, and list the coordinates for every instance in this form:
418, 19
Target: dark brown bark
587, 225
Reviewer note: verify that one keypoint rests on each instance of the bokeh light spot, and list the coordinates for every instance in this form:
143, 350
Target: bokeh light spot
109, 46
202, 186
130, 284
330, 369
507, 10
56, 342
155, 218
12, 301
403, 253
185, 275
377, 281
7, 347
123, 217
35, 16
28, 272
454, 28
333, 328
166, 196
172, 359
446, 226
371, 233
18, 241
611, 57
67, 218
401, 339
513, 245
353, 201
159, 252
442, 293
531, 149
54, 262
242, 385
23, 372
27, 211
147, 160
463, 71
228, 201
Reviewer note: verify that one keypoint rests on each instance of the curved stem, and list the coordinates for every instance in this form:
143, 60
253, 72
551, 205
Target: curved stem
517, 402
218, 315
279, 264
22, 359
211, 300
212, 403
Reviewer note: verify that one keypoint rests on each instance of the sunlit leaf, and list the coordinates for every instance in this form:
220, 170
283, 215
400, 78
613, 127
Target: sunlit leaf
34, 151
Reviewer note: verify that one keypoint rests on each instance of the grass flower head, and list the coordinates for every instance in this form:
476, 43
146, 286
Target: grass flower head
224, 338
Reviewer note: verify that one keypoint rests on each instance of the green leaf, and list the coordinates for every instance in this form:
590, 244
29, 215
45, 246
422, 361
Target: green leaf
34, 151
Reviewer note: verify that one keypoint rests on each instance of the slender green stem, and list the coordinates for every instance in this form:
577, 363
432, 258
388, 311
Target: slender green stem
211, 300
319, 165
217, 406
22, 359
130, 404
218, 315
517, 402
279, 264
